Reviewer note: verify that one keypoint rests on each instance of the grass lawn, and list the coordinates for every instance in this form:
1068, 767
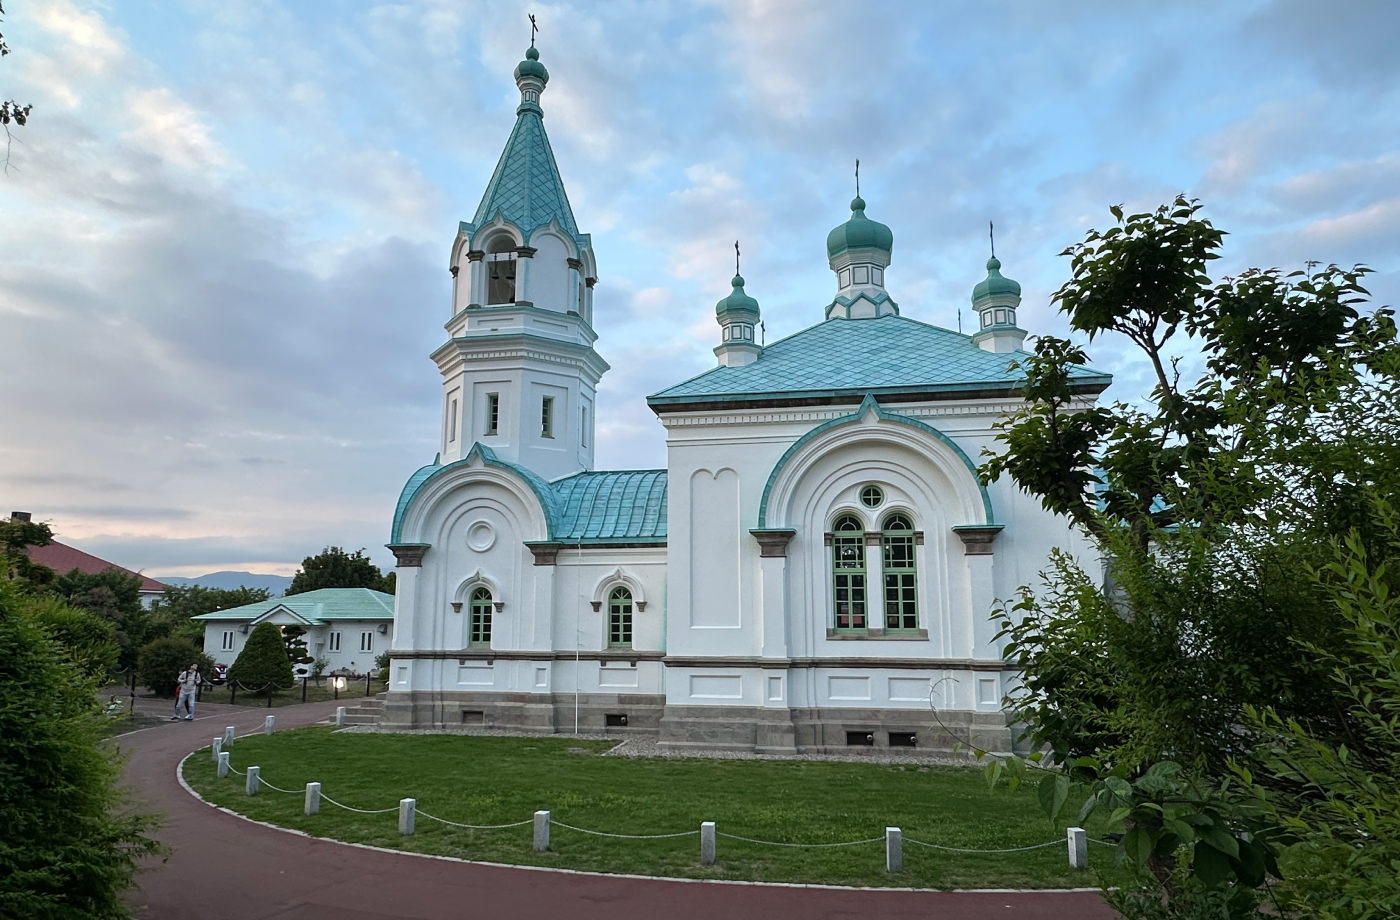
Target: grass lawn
481, 780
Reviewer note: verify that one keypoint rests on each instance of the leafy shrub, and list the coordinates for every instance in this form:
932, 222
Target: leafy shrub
162, 660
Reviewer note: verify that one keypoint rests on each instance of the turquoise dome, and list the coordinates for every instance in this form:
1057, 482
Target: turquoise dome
531, 66
995, 283
737, 304
860, 232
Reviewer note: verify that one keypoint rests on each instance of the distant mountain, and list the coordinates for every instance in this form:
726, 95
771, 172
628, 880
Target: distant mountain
228, 580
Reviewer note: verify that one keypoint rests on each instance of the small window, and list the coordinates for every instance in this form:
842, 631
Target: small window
871, 496
860, 739
547, 417
615, 720
493, 413
452, 422
366, 641
904, 739
583, 426
620, 618
335, 641
480, 618
228, 640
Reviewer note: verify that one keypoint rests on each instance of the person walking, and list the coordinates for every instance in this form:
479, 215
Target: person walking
188, 684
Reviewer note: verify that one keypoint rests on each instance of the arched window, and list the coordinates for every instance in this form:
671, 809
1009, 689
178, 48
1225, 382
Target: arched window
848, 572
500, 271
898, 565
480, 618
620, 618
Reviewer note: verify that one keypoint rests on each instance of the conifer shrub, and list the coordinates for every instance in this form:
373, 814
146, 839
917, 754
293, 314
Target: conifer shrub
263, 664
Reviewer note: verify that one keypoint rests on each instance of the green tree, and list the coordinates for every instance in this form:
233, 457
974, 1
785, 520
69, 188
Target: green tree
10, 111
163, 659
1218, 504
333, 567
263, 665
69, 848
114, 595
89, 640
294, 638
15, 565
173, 610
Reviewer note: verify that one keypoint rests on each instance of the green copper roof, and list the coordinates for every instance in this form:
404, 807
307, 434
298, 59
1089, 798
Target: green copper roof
526, 189
860, 232
317, 607
889, 354
995, 282
598, 506
738, 305
531, 66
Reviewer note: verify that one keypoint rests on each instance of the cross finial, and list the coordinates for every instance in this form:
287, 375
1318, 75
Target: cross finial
736, 257
857, 177
533, 29
991, 235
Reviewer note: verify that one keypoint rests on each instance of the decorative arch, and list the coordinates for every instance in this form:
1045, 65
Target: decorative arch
478, 579
427, 488
878, 424
615, 579
484, 235
553, 229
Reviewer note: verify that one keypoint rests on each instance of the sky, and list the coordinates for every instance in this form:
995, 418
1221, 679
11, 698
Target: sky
225, 231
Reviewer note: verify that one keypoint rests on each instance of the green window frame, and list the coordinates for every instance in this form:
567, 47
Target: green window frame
480, 624
493, 413
848, 574
620, 618
899, 566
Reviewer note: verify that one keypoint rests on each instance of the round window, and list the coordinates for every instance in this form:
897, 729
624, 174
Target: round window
871, 496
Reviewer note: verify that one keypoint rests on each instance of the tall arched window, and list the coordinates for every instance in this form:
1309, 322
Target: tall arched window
480, 618
848, 572
500, 271
898, 565
620, 618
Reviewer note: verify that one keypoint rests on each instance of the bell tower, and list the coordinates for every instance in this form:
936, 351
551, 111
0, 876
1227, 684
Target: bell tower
519, 370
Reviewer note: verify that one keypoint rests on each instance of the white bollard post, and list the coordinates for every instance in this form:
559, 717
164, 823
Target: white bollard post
707, 843
406, 814
223, 764
215, 748
1078, 847
894, 849
228, 737
251, 787
541, 831
269, 724
340, 717
313, 799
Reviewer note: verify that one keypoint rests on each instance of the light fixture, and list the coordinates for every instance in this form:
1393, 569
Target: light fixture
338, 682
383, 628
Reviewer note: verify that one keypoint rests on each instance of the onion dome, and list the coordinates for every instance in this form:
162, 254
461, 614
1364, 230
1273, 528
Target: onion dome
531, 66
995, 283
738, 307
860, 232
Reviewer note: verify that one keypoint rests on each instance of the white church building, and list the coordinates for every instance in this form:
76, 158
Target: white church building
816, 566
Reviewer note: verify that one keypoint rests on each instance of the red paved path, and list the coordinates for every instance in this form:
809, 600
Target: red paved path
225, 867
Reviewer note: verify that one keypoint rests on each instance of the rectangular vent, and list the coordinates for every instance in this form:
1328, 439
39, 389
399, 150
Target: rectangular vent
473, 717
904, 739
615, 720
860, 739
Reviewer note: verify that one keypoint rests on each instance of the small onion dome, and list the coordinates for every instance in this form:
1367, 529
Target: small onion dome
860, 232
531, 66
738, 306
995, 283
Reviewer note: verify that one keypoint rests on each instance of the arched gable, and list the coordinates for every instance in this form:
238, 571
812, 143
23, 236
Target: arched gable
871, 423
429, 487
619, 578
497, 226
463, 592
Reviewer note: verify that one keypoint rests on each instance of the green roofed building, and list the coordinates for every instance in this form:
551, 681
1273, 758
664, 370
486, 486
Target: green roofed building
814, 568
348, 627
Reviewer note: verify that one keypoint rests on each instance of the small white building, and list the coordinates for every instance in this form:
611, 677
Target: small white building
348, 627
815, 567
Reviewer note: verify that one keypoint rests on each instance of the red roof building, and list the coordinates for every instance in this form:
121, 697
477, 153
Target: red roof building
63, 558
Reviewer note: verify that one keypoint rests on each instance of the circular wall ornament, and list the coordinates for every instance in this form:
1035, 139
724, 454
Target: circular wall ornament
871, 496
480, 536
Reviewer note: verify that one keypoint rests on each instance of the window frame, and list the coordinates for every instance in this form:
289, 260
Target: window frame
333, 641
367, 640
547, 417
850, 580
493, 414
479, 610
899, 569
227, 642
620, 608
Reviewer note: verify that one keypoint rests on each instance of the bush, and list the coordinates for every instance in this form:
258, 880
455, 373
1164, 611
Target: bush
263, 664
162, 660
89, 640
68, 849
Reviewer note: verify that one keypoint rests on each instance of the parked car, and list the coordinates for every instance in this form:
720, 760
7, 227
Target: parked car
219, 675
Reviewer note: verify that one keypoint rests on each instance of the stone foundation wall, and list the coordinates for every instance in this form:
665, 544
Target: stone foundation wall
538, 712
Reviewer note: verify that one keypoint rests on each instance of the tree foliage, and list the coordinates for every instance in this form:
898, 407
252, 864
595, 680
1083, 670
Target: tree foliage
89, 640
114, 595
333, 567
163, 659
69, 847
10, 111
263, 664
172, 612
1195, 683
15, 565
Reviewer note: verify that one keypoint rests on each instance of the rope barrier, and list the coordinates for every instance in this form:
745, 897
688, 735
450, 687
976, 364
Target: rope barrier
474, 827
583, 830
280, 789
236, 770
376, 811
774, 843
935, 846
1102, 843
